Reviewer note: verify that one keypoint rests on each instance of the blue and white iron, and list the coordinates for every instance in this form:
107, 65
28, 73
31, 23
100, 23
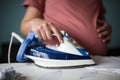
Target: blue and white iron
53, 56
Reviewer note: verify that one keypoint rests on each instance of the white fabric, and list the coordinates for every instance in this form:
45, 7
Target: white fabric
109, 64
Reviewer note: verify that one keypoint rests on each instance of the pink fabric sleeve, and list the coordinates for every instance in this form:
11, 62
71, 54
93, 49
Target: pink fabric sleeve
39, 4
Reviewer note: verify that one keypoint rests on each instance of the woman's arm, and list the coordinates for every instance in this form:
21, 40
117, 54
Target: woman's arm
30, 15
33, 21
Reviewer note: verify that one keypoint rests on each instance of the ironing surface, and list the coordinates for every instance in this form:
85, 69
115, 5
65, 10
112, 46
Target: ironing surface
63, 55
32, 72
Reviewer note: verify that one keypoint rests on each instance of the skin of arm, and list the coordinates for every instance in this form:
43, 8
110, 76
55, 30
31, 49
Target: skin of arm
33, 21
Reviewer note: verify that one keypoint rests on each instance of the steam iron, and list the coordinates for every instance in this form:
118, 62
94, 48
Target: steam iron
53, 56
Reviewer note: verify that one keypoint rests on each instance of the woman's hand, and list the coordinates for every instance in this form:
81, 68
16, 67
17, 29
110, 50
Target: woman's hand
33, 21
44, 30
104, 30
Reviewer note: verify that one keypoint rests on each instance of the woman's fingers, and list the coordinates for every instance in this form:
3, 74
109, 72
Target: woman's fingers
104, 31
107, 39
106, 36
46, 30
56, 32
43, 32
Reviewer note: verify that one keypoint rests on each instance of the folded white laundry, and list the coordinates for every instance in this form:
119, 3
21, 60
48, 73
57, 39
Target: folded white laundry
108, 63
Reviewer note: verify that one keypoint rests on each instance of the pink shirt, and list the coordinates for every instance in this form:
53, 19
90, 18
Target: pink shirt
76, 17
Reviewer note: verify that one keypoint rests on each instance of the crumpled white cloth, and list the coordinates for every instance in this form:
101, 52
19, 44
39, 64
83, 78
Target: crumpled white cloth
106, 63
10, 74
